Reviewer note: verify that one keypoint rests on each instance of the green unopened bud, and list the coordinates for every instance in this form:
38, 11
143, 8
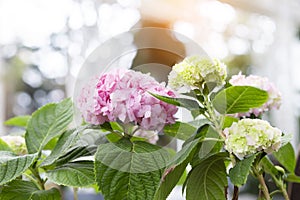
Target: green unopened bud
280, 169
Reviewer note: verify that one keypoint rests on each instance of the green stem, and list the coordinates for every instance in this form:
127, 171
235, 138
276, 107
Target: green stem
282, 188
284, 193
33, 180
75, 192
212, 115
40, 181
275, 192
262, 182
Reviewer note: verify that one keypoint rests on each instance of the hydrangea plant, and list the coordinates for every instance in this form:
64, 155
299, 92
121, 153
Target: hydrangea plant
123, 115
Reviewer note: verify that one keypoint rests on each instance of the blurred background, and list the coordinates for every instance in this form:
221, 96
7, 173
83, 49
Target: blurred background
44, 43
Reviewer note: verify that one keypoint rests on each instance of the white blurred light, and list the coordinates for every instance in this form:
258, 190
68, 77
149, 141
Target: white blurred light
185, 28
75, 18
52, 64
242, 31
9, 51
266, 24
32, 77
76, 66
92, 45
113, 19
56, 95
40, 97
130, 3
23, 99
259, 46
61, 41
238, 46
32, 21
219, 13
74, 49
215, 46
89, 13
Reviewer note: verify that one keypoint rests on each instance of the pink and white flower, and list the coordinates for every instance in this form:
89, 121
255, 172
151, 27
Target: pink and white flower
124, 95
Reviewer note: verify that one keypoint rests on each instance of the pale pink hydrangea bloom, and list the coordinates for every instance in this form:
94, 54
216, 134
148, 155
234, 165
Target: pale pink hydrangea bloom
262, 83
124, 95
151, 136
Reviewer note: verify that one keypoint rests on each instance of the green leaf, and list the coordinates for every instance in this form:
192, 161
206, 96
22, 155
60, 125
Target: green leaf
12, 166
170, 179
46, 123
129, 170
199, 122
184, 153
183, 131
75, 152
75, 174
182, 178
20, 121
268, 166
210, 147
4, 146
113, 137
179, 130
25, 190
239, 173
292, 178
237, 99
86, 145
207, 181
189, 104
51, 194
65, 141
176, 168
286, 156
228, 121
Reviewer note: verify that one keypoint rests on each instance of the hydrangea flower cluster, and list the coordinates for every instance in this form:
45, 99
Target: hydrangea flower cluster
16, 143
262, 83
124, 95
193, 71
249, 136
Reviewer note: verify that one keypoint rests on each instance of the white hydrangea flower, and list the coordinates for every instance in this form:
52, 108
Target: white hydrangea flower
193, 71
16, 143
249, 136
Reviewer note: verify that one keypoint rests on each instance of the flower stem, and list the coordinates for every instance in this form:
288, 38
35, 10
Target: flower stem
33, 180
235, 193
75, 193
212, 115
263, 185
40, 181
284, 193
281, 187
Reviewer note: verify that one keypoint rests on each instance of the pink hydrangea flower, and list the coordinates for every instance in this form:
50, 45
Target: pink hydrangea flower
262, 83
124, 95
151, 136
